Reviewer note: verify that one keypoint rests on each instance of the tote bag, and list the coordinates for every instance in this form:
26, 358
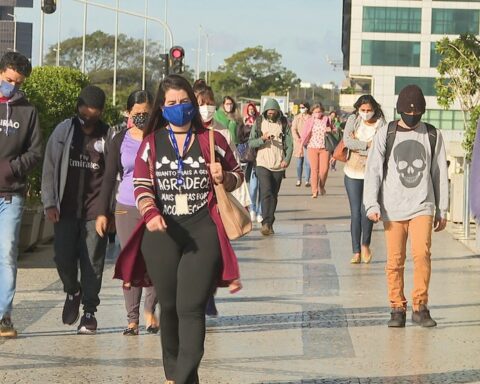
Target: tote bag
235, 218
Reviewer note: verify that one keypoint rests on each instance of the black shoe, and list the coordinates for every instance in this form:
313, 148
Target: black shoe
153, 329
71, 307
131, 330
422, 317
6, 328
88, 324
398, 318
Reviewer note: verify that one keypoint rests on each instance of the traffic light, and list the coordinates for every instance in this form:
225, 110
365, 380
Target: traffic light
164, 64
176, 59
49, 6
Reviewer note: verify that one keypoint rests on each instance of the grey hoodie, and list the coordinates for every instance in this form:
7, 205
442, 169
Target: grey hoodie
414, 184
20, 142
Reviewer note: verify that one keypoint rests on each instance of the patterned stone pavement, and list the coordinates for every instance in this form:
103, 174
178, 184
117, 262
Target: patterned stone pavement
305, 315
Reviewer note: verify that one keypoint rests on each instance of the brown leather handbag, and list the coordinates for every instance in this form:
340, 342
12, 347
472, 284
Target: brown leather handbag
235, 217
341, 152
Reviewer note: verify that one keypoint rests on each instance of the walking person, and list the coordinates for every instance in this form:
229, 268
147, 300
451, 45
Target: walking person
120, 160
359, 131
226, 115
406, 186
313, 138
251, 173
20, 152
272, 137
299, 151
72, 176
185, 247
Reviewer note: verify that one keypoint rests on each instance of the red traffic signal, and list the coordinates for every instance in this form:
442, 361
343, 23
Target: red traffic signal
176, 55
49, 6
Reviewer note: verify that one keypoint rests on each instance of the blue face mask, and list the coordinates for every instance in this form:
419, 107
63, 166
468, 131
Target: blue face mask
179, 114
7, 90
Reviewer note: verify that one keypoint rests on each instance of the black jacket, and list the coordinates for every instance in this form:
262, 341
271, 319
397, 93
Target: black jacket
20, 143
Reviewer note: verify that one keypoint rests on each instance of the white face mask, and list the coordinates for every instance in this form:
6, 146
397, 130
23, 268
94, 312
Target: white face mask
207, 112
366, 115
303, 110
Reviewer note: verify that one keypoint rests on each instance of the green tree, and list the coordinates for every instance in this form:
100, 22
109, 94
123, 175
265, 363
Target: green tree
99, 61
253, 72
459, 70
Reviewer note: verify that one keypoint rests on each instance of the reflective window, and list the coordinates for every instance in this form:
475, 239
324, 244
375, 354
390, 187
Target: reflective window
455, 21
392, 19
427, 84
434, 56
391, 53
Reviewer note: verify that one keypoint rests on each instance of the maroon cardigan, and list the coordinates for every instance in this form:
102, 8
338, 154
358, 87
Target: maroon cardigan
130, 266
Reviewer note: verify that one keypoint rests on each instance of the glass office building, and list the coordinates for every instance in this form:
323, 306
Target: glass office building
14, 35
391, 43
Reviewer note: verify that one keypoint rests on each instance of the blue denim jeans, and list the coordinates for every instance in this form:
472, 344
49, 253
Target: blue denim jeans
360, 226
303, 165
254, 194
10, 216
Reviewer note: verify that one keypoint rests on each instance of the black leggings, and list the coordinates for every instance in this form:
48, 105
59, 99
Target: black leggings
184, 264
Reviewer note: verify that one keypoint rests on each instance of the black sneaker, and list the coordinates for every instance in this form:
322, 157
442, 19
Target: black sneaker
7, 329
422, 317
88, 324
71, 307
398, 318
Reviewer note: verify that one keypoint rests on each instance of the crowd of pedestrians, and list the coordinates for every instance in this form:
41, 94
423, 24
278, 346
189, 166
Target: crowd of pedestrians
152, 181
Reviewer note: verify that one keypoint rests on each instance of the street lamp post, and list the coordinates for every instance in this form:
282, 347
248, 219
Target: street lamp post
42, 29
59, 31
115, 49
145, 44
84, 34
14, 17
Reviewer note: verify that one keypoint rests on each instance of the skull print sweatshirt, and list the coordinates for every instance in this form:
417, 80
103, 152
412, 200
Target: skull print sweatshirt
412, 183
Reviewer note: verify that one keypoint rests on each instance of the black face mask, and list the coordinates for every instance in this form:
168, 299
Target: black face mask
140, 120
410, 120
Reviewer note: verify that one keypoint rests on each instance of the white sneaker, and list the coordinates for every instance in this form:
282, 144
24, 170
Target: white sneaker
253, 216
259, 218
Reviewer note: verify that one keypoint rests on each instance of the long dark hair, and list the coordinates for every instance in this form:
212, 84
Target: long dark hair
234, 106
177, 82
368, 99
139, 97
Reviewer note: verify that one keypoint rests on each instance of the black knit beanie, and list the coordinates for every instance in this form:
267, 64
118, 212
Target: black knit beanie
411, 99
92, 96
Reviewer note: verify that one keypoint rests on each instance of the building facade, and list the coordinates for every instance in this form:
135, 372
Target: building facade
14, 35
388, 44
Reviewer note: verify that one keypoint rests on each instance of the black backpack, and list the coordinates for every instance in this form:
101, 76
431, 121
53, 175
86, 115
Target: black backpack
392, 132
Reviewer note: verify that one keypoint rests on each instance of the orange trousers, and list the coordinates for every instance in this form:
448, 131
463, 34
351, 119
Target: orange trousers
319, 163
419, 229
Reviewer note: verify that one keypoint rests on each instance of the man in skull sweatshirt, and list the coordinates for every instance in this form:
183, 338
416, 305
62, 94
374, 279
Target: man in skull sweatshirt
20, 152
406, 186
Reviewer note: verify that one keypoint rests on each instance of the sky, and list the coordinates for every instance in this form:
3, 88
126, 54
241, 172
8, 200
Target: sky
304, 32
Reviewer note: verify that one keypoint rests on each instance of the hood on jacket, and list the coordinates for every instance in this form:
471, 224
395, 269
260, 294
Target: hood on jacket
17, 96
271, 104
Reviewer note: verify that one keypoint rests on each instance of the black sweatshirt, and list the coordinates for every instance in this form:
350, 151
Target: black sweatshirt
20, 143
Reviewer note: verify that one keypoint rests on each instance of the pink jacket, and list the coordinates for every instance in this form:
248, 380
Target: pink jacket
307, 129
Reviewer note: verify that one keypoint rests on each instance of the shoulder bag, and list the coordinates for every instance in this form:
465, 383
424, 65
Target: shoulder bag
235, 218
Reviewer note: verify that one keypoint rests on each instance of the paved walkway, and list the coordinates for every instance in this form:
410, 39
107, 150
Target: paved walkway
305, 315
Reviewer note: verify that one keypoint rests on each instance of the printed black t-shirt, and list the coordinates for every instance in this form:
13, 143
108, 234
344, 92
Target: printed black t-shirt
196, 179
86, 165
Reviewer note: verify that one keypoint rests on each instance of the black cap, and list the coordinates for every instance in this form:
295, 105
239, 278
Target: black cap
411, 99
92, 96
